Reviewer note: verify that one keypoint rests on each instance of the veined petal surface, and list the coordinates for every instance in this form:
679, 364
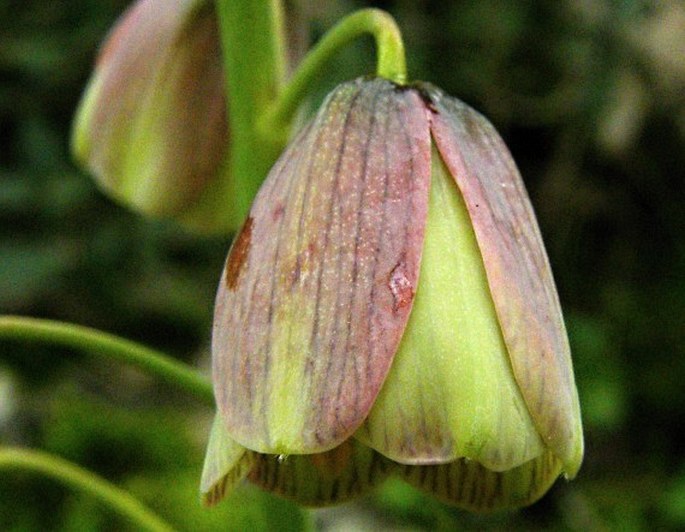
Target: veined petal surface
319, 283
226, 464
450, 392
469, 485
331, 477
518, 272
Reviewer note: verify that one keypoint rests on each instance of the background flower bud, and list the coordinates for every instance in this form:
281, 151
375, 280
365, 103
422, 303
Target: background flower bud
151, 126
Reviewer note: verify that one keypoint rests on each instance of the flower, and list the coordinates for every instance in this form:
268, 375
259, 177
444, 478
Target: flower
152, 125
388, 309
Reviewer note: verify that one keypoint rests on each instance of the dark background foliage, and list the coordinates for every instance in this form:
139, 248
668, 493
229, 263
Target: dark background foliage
590, 97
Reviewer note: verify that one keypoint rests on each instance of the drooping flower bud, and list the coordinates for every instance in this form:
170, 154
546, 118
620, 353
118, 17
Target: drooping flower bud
388, 308
152, 125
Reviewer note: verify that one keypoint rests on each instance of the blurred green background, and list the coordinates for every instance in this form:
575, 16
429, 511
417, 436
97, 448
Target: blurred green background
590, 97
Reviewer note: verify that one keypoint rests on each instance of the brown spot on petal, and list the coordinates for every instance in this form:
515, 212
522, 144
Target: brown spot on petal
295, 273
278, 212
400, 287
303, 264
238, 255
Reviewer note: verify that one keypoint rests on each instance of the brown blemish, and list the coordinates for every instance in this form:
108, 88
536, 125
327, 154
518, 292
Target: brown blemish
277, 213
302, 262
238, 254
400, 287
295, 273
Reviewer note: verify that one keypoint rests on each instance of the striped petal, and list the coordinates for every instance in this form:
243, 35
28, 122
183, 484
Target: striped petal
518, 272
226, 464
335, 476
318, 286
473, 487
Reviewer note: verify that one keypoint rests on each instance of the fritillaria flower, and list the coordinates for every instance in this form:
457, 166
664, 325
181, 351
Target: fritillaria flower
152, 125
388, 309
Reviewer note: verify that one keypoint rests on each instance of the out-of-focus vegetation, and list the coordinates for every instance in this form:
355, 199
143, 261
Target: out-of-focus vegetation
589, 95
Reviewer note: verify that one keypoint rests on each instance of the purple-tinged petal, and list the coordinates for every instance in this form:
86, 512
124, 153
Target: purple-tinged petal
518, 272
450, 392
319, 284
152, 124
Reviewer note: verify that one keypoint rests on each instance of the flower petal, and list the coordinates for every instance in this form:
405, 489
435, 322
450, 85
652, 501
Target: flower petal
226, 464
331, 477
319, 284
471, 486
152, 124
518, 272
450, 392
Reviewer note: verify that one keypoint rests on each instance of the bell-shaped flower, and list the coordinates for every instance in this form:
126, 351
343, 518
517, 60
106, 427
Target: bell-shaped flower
152, 125
388, 309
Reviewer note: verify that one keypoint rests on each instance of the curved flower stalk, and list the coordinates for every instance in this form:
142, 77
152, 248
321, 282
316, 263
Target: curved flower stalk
152, 125
388, 308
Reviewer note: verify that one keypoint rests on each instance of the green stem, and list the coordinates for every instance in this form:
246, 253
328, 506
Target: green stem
254, 51
390, 62
108, 345
80, 479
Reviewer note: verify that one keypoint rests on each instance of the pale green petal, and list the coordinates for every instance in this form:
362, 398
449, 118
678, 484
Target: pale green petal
450, 392
226, 464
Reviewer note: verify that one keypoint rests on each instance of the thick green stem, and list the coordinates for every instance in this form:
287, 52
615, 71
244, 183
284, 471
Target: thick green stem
80, 479
253, 46
390, 63
110, 346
